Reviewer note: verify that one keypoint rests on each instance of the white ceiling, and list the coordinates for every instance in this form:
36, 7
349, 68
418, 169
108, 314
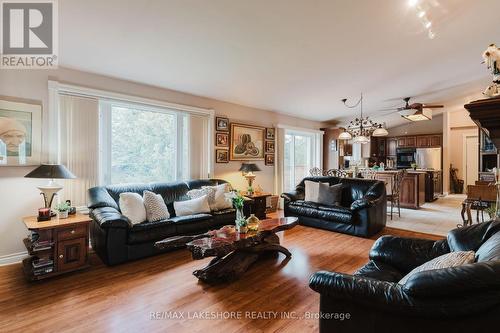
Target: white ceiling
298, 57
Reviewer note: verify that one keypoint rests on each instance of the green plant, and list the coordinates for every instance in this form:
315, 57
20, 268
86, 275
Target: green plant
414, 165
62, 207
491, 210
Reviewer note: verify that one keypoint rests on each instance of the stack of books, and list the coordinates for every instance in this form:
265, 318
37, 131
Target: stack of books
42, 266
42, 245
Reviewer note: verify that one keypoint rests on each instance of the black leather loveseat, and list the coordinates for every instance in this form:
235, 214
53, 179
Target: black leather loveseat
116, 241
458, 299
362, 211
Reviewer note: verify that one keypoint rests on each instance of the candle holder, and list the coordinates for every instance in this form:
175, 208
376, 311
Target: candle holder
43, 214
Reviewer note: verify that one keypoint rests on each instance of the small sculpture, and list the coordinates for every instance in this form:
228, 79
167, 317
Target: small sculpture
491, 58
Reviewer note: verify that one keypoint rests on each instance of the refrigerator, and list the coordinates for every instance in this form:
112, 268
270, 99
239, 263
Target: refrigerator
428, 158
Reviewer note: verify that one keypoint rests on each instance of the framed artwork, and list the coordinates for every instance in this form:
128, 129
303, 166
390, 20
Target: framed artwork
269, 147
20, 133
247, 143
222, 140
269, 133
221, 156
222, 124
269, 159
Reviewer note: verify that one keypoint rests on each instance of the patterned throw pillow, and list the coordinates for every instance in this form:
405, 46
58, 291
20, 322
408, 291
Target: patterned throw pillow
199, 192
451, 259
156, 210
220, 201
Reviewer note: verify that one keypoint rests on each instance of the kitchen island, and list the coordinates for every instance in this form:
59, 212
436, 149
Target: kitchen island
412, 191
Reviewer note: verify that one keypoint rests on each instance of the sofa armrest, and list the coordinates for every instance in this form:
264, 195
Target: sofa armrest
109, 217
365, 202
455, 280
407, 253
293, 196
364, 290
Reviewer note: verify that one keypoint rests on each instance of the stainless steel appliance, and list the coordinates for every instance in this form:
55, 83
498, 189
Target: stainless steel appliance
405, 157
428, 158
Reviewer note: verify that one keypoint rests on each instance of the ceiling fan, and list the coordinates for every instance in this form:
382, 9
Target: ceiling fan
417, 111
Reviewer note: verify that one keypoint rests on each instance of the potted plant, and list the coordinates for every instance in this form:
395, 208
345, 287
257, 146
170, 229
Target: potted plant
414, 166
62, 210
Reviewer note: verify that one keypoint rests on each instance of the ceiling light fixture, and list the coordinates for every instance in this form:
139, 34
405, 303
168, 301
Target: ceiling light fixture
412, 3
416, 115
360, 129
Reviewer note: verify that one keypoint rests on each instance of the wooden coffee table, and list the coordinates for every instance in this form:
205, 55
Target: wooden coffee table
233, 252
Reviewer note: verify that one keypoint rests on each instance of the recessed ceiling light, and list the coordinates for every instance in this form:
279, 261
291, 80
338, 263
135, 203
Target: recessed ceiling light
412, 2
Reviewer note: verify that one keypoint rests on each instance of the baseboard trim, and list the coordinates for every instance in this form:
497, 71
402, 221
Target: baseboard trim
13, 258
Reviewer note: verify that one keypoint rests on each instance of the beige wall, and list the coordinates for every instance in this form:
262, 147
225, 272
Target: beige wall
19, 196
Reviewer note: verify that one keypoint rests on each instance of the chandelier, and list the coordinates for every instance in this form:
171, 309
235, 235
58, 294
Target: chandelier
360, 129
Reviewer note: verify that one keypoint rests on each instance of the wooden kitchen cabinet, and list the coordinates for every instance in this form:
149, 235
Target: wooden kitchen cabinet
423, 141
412, 192
401, 142
435, 141
411, 141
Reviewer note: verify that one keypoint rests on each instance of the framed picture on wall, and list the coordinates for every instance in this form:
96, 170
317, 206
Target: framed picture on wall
269, 159
20, 133
269, 133
247, 143
221, 156
222, 124
222, 140
269, 147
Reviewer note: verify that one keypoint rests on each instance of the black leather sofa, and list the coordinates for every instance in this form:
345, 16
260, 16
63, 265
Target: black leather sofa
116, 241
362, 211
458, 299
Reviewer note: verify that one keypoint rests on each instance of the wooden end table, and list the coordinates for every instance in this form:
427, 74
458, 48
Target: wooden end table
64, 241
233, 252
259, 206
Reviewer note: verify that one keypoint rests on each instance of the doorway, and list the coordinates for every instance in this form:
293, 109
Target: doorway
470, 164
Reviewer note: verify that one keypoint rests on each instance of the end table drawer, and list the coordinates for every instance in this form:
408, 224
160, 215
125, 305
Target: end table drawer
72, 232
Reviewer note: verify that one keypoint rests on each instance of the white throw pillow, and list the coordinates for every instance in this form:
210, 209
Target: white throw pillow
451, 259
220, 199
132, 207
311, 191
156, 209
192, 207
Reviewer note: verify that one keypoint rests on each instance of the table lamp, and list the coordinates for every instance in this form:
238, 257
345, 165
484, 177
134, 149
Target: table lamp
50, 171
247, 169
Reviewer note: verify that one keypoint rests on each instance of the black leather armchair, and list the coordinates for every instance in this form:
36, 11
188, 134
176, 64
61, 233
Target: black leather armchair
457, 299
362, 211
116, 241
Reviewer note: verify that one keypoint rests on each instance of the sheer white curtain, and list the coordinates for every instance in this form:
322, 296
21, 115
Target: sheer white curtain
199, 147
78, 142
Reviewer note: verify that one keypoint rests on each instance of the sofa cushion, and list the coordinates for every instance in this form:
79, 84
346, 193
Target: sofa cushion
330, 194
328, 213
192, 207
191, 224
151, 231
156, 210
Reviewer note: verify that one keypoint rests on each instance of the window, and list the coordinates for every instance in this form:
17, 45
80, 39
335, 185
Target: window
300, 155
141, 144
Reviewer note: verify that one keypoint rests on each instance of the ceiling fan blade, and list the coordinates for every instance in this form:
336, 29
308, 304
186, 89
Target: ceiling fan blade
432, 106
416, 106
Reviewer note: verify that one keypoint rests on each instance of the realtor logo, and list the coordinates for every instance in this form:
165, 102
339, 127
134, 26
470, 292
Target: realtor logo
28, 37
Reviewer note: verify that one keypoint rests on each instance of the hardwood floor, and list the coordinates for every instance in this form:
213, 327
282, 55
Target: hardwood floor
123, 298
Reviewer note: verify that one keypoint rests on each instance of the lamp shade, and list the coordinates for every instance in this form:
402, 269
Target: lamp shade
249, 167
380, 132
345, 136
51, 171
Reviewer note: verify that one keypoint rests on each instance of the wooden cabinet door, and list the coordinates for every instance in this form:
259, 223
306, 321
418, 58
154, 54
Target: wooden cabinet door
392, 144
71, 254
435, 141
423, 141
401, 142
408, 191
411, 141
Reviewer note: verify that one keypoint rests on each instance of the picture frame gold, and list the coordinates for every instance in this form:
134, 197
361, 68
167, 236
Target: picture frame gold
221, 156
222, 140
246, 142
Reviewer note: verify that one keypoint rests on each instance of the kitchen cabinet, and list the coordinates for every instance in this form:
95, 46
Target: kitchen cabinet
435, 140
402, 141
423, 141
412, 190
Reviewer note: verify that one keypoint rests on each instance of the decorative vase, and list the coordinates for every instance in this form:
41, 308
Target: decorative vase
63, 215
253, 223
240, 222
